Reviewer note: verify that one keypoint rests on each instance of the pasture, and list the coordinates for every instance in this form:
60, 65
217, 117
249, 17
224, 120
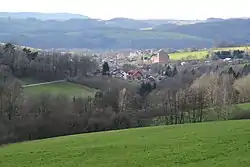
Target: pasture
189, 55
62, 88
202, 54
207, 144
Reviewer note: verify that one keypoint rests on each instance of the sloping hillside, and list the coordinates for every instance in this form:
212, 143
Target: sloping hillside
42, 16
120, 33
209, 144
232, 30
127, 23
89, 33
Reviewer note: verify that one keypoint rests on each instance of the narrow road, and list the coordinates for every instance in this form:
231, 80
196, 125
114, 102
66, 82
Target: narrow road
44, 83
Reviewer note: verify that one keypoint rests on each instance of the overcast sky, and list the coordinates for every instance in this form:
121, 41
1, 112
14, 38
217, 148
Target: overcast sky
137, 9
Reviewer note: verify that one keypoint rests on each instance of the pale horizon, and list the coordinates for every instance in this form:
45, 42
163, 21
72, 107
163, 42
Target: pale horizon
135, 9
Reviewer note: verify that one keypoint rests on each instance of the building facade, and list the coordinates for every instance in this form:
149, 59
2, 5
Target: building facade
161, 57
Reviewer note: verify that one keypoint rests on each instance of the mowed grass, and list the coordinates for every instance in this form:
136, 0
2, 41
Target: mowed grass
244, 106
189, 55
62, 88
202, 54
193, 145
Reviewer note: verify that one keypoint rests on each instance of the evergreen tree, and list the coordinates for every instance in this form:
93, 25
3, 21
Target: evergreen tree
145, 88
168, 71
105, 68
29, 54
175, 71
232, 72
193, 71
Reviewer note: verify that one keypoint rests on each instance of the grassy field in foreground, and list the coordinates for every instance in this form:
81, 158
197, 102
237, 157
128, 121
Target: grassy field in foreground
63, 88
210, 144
201, 54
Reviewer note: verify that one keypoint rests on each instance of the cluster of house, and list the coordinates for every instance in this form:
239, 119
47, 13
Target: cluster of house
231, 54
137, 58
136, 75
130, 75
145, 57
134, 57
152, 57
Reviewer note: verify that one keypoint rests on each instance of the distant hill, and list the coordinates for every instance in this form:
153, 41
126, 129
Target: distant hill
42, 16
165, 27
214, 19
140, 24
231, 30
157, 22
122, 33
128, 23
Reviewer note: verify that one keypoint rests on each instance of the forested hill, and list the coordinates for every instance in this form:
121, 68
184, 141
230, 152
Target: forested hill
42, 16
121, 32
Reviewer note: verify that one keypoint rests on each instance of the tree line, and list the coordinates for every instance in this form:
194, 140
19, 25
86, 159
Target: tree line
45, 66
187, 95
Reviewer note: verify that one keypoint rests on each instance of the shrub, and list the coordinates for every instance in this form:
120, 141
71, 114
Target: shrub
121, 121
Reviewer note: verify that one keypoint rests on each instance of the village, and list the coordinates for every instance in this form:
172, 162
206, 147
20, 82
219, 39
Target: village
137, 66
150, 65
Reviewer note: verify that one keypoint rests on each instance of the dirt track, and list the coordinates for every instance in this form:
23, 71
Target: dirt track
44, 83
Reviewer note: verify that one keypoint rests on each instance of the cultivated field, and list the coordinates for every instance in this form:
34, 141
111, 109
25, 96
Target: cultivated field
208, 144
189, 55
202, 54
63, 88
